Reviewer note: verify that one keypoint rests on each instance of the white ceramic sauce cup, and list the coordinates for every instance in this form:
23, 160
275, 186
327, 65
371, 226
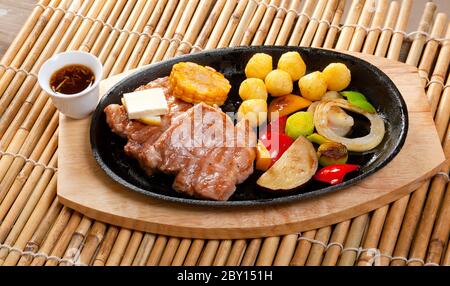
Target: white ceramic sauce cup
78, 105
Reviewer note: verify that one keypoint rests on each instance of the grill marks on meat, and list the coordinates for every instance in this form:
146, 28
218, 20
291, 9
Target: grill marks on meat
208, 154
141, 136
199, 145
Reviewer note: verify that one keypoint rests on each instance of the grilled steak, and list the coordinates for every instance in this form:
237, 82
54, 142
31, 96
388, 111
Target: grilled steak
199, 145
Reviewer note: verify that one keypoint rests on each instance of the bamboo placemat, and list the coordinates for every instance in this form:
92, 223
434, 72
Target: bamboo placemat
35, 229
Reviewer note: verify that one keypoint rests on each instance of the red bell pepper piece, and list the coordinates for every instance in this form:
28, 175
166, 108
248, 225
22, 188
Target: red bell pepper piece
335, 174
278, 125
276, 144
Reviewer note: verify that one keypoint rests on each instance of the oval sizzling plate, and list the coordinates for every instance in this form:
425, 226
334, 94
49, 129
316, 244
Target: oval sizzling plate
366, 78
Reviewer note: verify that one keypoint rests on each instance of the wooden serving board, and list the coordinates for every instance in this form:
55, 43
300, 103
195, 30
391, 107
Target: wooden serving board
83, 186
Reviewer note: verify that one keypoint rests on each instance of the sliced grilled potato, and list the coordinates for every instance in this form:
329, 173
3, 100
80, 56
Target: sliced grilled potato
295, 167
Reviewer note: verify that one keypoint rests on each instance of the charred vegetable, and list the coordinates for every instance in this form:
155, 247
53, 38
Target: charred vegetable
276, 143
332, 153
295, 168
318, 139
359, 100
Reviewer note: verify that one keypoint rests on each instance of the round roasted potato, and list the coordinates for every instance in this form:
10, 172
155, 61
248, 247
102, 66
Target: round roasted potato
253, 88
279, 83
259, 66
338, 76
313, 86
254, 110
292, 63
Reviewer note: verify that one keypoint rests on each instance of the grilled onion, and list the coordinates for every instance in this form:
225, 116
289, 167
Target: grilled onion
360, 144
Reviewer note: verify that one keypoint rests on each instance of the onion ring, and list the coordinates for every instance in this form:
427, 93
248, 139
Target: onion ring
361, 144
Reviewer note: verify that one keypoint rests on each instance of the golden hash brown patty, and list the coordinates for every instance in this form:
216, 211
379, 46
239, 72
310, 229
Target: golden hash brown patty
194, 83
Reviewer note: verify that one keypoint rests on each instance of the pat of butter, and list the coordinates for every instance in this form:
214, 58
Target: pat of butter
147, 102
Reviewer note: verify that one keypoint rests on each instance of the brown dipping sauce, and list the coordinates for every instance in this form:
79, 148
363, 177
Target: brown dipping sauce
72, 79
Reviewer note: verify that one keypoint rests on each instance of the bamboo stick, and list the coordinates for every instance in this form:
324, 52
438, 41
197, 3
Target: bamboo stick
442, 114
144, 42
254, 23
72, 252
105, 40
31, 38
209, 25
119, 247
420, 39
288, 22
353, 239
333, 31
439, 238
398, 37
198, 20
194, 252
430, 51
118, 54
223, 252
373, 235
23, 34
251, 253
21, 105
446, 260
268, 250
265, 24
237, 252
385, 37
301, 23
209, 252
364, 21
145, 24
323, 27
27, 60
20, 212
221, 24
105, 248
150, 53
231, 25
434, 198
182, 251
169, 252
243, 23
37, 214
435, 89
317, 250
36, 240
62, 242
98, 28
373, 35
132, 248
313, 24
286, 250
352, 18
303, 248
277, 23
409, 224
93, 241
15, 183
113, 45
146, 246
51, 239
338, 236
177, 34
191, 29
392, 228
156, 253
